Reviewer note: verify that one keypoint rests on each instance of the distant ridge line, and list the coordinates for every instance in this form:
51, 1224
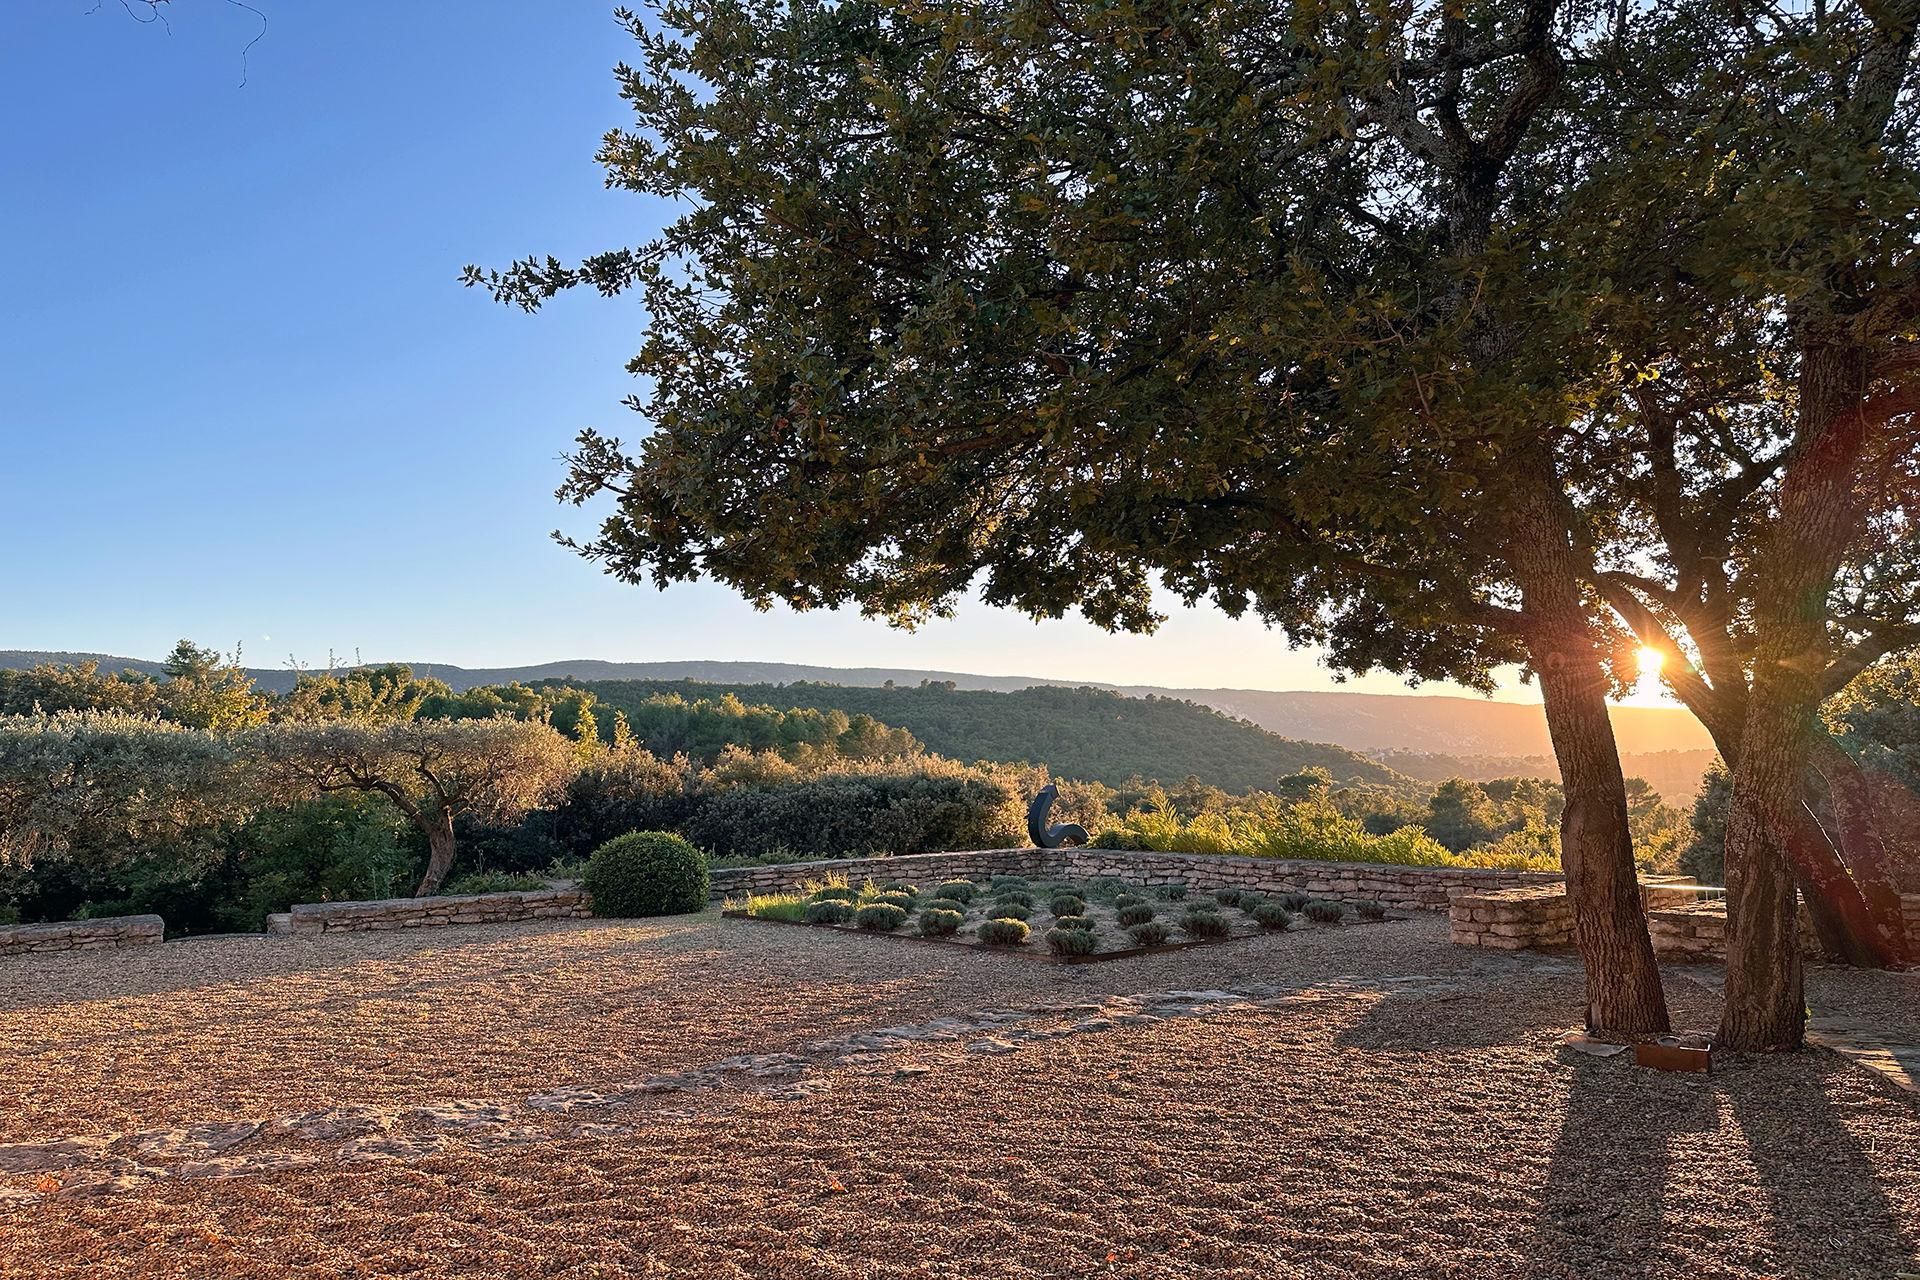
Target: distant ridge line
1434, 723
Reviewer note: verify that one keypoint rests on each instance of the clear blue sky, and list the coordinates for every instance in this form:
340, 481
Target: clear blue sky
245, 399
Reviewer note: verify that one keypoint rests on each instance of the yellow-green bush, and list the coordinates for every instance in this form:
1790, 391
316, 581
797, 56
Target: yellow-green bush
1316, 831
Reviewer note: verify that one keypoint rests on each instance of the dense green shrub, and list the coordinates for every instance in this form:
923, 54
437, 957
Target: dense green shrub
835, 892
1010, 911
492, 882
1072, 942
938, 923
1204, 924
1325, 912
1251, 902
829, 911
1075, 922
1272, 914
1021, 896
1370, 910
958, 890
1005, 932
998, 883
646, 873
883, 916
1150, 933
897, 886
904, 901
1293, 901
1173, 892
1065, 904
903, 809
1119, 838
1135, 913
1127, 899
1227, 897
945, 904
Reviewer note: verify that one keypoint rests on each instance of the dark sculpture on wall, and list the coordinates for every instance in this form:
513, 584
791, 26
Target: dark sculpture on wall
1060, 835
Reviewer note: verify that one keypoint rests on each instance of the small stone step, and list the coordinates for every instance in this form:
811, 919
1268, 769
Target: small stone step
280, 923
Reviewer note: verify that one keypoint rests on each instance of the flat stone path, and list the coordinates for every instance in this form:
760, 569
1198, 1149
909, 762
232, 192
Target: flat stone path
115, 1163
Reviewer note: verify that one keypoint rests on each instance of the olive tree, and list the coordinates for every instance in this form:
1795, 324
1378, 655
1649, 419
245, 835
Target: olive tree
432, 771
106, 787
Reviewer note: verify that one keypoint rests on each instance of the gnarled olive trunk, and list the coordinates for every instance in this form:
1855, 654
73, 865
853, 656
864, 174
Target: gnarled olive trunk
438, 828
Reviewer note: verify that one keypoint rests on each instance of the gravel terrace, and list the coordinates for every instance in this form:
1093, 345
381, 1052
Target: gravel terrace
708, 1098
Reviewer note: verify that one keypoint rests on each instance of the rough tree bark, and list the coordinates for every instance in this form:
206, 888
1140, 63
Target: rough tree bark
1624, 995
438, 829
1818, 516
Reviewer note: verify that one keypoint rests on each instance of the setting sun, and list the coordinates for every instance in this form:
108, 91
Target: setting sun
1651, 660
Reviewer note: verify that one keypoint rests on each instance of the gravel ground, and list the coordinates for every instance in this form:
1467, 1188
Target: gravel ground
1345, 1126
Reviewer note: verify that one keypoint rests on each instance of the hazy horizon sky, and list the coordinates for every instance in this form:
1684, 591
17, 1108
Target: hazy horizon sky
248, 402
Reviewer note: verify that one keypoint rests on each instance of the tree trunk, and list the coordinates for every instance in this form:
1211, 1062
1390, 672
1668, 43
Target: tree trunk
1624, 995
439, 830
1819, 516
1765, 1007
1863, 847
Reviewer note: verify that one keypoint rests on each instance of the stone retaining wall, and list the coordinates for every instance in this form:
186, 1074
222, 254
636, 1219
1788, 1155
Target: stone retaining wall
1512, 919
922, 869
309, 918
1406, 888
109, 933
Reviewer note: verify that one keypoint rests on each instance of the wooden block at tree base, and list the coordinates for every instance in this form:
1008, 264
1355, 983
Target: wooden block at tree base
1692, 1052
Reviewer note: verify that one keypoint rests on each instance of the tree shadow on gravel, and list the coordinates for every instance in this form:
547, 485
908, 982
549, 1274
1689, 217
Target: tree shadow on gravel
1820, 1211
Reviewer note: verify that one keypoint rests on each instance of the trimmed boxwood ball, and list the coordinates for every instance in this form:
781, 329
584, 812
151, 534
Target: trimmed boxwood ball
834, 893
1066, 904
1326, 912
1135, 913
936, 923
944, 904
1371, 910
1205, 924
898, 886
1009, 882
1010, 911
1087, 923
958, 890
1020, 896
904, 901
829, 911
1151, 933
1072, 942
646, 873
1272, 915
1294, 901
1227, 897
883, 916
1004, 932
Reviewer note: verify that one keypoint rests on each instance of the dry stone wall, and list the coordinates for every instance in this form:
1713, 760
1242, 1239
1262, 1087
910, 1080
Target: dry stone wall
107, 934
310, 918
1405, 888
1512, 919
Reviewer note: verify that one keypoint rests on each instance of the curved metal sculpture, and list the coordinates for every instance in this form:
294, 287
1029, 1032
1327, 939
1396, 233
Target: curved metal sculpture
1059, 836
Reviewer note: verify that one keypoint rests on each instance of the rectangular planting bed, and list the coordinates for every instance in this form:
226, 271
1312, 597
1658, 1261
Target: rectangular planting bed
1061, 922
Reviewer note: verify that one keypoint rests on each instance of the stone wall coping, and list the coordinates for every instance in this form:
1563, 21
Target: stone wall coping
450, 902
97, 926
1490, 875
